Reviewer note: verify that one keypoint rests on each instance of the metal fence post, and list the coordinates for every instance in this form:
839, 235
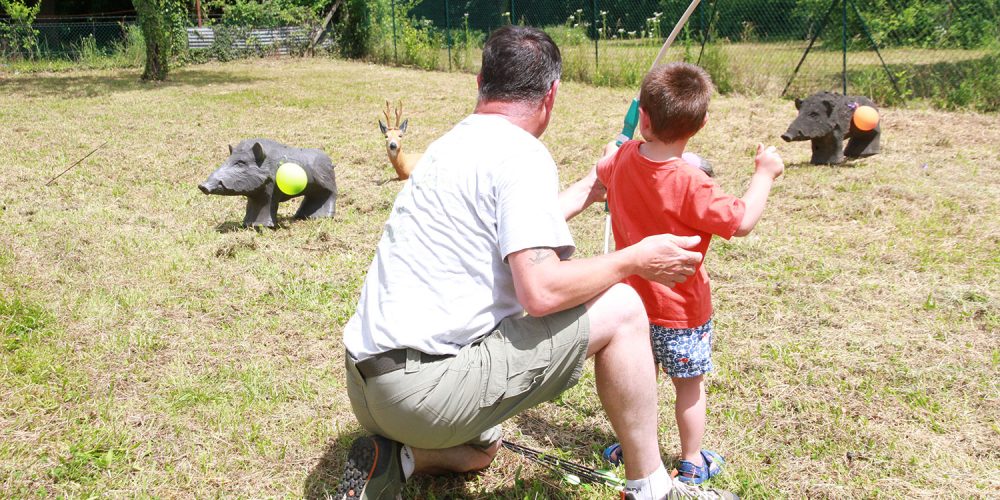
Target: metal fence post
597, 34
447, 23
395, 53
512, 17
701, 20
843, 19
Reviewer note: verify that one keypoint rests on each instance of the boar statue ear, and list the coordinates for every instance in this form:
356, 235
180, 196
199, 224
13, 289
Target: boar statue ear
798, 103
230, 148
402, 128
829, 107
258, 153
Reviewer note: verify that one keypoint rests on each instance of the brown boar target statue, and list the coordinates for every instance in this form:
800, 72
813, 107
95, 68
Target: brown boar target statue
825, 118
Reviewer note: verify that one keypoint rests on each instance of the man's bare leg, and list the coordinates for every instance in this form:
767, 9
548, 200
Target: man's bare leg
626, 375
462, 458
626, 384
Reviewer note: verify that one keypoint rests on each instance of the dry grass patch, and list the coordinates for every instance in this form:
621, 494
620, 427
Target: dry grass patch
170, 353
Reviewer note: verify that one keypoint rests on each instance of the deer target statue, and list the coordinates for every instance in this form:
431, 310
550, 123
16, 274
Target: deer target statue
402, 162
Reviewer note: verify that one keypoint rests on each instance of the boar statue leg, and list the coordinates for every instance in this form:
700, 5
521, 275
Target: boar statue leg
317, 206
261, 211
828, 149
862, 144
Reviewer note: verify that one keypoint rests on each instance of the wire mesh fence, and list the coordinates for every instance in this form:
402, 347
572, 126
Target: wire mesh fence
96, 37
890, 50
62, 38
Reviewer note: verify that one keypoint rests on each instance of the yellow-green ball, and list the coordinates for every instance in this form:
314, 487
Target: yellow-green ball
291, 179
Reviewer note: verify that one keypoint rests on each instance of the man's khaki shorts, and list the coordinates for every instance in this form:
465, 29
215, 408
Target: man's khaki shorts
463, 399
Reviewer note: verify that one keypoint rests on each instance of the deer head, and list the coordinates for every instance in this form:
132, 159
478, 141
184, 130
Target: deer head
402, 162
393, 135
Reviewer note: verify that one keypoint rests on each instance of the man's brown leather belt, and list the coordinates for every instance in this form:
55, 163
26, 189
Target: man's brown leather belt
390, 361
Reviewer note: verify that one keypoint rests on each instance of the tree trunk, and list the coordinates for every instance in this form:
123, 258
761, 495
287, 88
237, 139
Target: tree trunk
153, 22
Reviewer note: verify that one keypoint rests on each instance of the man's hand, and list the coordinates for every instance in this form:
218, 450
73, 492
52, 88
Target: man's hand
662, 258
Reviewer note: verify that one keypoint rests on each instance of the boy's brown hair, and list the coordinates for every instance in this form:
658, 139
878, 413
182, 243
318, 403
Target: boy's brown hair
676, 96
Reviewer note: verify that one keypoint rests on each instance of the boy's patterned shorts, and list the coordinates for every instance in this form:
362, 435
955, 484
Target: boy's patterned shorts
683, 352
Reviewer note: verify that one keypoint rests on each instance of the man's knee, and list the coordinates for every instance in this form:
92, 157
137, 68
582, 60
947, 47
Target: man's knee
620, 306
618, 312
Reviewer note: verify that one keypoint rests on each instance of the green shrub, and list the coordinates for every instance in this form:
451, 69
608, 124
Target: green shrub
262, 14
420, 43
353, 33
18, 39
978, 87
714, 61
465, 43
970, 84
131, 51
88, 52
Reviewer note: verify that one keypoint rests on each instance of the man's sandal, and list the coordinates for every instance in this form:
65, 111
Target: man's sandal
690, 473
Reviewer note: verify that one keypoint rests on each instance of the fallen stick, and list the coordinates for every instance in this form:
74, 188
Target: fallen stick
77, 162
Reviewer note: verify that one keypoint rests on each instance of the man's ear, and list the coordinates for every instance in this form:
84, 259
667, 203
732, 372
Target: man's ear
550, 96
479, 80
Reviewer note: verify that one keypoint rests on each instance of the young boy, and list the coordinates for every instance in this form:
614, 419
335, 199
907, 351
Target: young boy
651, 190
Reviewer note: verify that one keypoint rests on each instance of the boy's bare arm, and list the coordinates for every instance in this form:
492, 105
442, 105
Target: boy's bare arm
767, 167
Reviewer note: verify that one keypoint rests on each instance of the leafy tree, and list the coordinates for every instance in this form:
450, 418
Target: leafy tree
162, 23
18, 36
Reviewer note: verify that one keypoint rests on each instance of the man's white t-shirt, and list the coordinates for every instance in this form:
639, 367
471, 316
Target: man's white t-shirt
440, 279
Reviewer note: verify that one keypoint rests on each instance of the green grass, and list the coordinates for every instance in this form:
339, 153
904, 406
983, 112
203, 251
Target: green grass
150, 347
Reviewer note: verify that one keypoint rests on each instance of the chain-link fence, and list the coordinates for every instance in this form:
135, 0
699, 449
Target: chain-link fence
65, 38
891, 50
102, 38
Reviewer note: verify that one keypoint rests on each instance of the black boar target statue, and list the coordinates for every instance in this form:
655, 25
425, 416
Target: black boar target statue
250, 171
825, 119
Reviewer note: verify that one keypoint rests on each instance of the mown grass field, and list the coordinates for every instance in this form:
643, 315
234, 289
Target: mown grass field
151, 347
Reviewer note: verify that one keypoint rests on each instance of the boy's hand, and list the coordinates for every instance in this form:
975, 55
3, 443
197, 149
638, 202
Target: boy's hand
597, 192
768, 162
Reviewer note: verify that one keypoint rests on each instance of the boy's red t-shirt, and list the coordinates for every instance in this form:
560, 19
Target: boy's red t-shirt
648, 197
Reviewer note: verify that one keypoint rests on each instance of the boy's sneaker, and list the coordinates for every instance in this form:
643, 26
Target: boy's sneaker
372, 470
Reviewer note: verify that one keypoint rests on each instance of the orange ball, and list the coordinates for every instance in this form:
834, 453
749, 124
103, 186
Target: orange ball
865, 118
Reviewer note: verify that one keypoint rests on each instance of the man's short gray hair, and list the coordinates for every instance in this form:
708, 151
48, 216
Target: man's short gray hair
520, 64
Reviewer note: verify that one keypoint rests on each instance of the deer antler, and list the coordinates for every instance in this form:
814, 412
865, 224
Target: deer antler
399, 112
386, 112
